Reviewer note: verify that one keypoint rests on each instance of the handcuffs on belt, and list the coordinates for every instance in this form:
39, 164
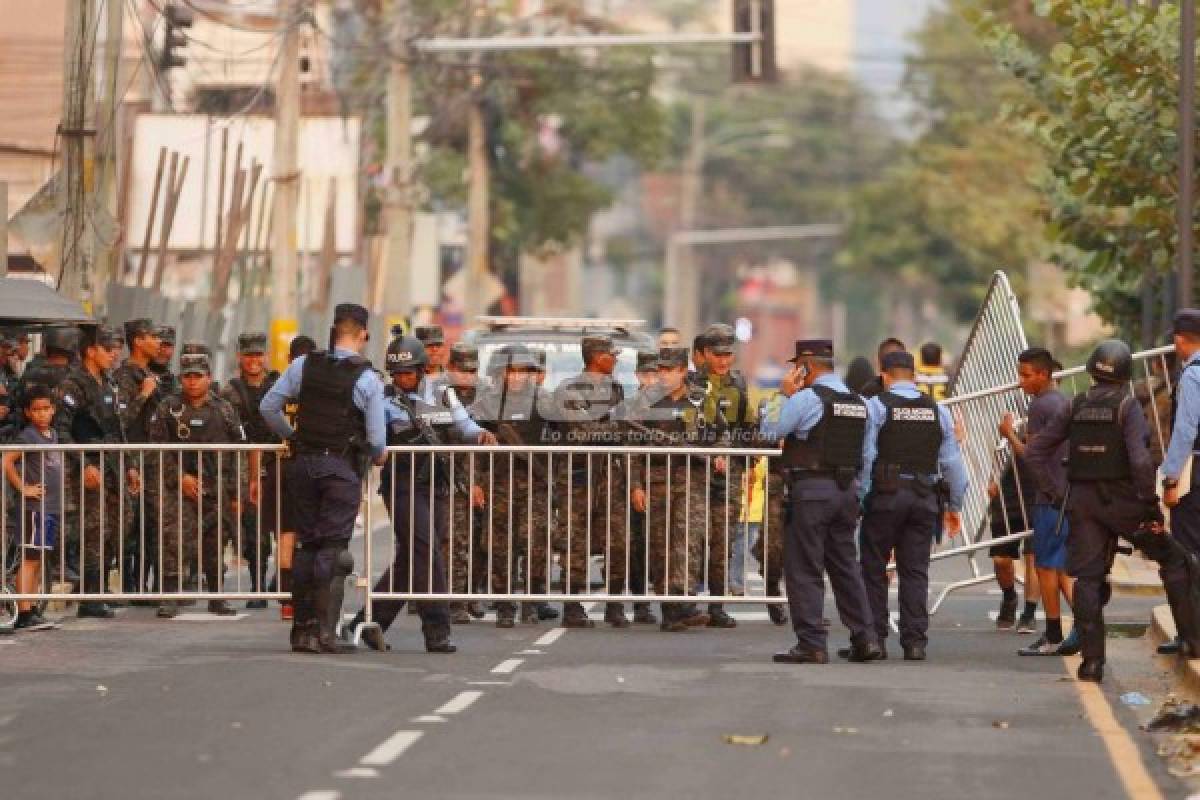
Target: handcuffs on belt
182, 431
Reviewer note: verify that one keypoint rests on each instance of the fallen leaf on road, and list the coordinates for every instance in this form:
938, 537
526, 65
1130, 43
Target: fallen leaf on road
744, 739
101, 688
1002, 724
889, 713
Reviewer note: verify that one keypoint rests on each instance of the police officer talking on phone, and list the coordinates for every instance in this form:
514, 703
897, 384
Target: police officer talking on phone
340, 430
822, 424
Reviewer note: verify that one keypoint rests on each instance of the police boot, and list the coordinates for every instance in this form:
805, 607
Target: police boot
1091, 670
221, 608
459, 614
643, 614
372, 635
863, 650
614, 615
672, 619
93, 609
326, 635
529, 614
547, 611
506, 615
475, 609
691, 616
717, 618
777, 613
305, 637
575, 617
437, 638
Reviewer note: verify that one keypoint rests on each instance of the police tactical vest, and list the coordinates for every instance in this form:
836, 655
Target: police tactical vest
95, 409
249, 398
834, 443
518, 413
328, 419
137, 429
1097, 440
911, 436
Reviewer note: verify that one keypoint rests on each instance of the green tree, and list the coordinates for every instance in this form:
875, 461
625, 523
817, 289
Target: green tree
1102, 105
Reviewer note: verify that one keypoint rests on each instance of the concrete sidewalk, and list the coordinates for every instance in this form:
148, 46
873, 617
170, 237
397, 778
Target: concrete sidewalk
1134, 574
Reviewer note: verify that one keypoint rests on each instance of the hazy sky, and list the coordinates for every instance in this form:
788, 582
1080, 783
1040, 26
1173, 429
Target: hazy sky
882, 29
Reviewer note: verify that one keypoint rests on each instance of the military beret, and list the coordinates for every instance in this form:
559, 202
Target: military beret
252, 343
465, 356
166, 334
670, 357
136, 327
597, 343
1187, 320
195, 348
194, 364
350, 311
813, 348
898, 359
430, 334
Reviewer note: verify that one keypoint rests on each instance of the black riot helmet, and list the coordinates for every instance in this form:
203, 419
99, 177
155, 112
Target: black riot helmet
1111, 362
406, 353
61, 340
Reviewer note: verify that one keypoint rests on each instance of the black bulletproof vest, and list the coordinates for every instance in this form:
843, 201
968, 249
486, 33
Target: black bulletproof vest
520, 413
834, 443
435, 427
187, 425
1175, 403
911, 435
328, 418
1098, 451
96, 418
249, 397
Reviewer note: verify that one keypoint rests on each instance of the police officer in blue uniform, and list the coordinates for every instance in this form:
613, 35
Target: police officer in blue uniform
415, 490
340, 428
822, 424
1185, 440
1111, 483
911, 465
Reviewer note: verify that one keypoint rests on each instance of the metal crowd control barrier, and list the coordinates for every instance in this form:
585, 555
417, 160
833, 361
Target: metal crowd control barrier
127, 522
988, 457
528, 539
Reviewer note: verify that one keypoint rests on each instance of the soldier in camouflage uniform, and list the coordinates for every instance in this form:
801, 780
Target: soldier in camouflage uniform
666, 489
98, 511
728, 421
60, 346
592, 493
635, 411
468, 562
199, 499
168, 381
260, 470
772, 532
518, 530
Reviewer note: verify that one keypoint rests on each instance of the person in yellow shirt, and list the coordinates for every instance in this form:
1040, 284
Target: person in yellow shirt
932, 379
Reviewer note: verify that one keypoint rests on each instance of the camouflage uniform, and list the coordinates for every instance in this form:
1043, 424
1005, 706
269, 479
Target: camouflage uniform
464, 563
188, 525
772, 533
95, 518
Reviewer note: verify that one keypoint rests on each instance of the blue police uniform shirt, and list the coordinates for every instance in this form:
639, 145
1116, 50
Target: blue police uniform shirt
802, 411
368, 398
1187, 418
949, 456
426, 393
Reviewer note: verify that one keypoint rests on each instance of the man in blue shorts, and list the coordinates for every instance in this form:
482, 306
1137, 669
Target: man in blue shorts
1035, 374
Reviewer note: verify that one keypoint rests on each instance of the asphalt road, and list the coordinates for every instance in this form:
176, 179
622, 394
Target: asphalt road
201, 708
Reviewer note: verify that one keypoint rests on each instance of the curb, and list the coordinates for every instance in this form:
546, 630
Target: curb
1140, 581
1162, 628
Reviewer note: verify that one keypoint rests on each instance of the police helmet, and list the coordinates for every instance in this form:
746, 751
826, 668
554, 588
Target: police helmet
406, 353
1111, 362
61, 340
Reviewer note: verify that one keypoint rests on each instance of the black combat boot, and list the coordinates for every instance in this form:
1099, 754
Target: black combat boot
575, 617
777, 613
506, 615
672, 619
1091, 670
529, 614
221, 608
459, 614
691, 616
437, 638
643, 614
94, 609
614, 615
546, 611
717, 618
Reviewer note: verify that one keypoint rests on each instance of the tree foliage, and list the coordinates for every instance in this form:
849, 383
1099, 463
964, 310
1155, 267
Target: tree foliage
1102, 105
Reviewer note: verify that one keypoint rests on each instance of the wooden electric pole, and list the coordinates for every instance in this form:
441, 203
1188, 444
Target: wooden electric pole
393, 282
284, 255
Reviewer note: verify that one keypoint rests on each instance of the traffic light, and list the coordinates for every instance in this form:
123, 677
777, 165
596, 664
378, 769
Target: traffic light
174, 38
754, 62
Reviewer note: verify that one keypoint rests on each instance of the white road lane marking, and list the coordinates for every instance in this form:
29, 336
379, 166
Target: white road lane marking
357, 772
507, 666
460, 702
429, 718
321, 794
489, 683
550, 637
392, 749
529, 653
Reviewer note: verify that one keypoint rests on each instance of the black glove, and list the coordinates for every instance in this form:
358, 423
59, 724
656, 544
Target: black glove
1153, 514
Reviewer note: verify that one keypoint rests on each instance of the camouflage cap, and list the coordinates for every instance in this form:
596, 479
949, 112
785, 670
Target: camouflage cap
671, 357
719, 338
108, 336
194, 364
597, 343
195, 348
430, 334
137, 327
647, 360
252, 343
166, 334
464, 357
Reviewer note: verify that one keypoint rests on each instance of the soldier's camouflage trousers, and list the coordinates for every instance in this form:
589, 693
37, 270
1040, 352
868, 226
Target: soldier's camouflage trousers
723, 508
192, 533
674, 532
518, 532
93, 527
773, 532
461, 548
596, 507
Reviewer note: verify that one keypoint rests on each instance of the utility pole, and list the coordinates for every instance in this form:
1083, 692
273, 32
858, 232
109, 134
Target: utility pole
478, 221
284, 257
75, 277
108, 137
1187, 148
393, 282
